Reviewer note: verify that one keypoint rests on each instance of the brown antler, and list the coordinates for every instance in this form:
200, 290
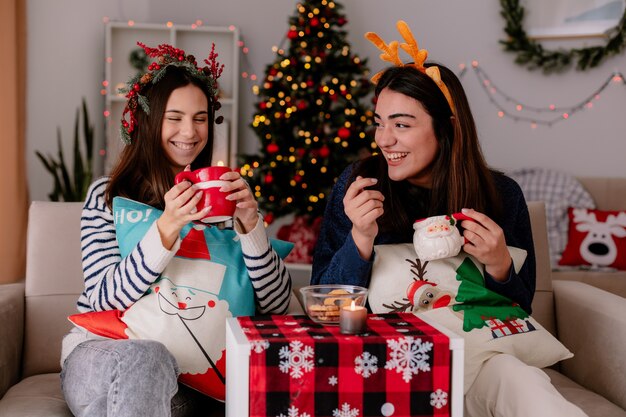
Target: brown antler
420, 269
390, 52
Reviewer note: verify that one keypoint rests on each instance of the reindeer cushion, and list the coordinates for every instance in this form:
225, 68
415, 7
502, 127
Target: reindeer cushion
452, 292
596, 239
186, 307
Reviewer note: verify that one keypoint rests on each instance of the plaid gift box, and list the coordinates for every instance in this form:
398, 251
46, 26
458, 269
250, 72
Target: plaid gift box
400, 367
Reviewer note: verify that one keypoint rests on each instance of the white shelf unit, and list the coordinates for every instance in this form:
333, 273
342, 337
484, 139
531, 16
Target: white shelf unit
121, 39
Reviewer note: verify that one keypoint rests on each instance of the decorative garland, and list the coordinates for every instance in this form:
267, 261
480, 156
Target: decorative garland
532, 54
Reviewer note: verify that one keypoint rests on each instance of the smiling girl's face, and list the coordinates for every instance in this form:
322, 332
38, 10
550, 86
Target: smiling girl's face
404, 134
185, 129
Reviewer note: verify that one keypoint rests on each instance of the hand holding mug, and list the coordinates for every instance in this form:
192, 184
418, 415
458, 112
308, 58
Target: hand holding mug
213, 199
247, 208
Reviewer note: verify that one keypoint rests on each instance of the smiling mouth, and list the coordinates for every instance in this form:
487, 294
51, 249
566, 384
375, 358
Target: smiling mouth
184, 146
396, 156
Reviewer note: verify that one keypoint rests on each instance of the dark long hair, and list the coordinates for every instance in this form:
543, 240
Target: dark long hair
143, 172
460, 175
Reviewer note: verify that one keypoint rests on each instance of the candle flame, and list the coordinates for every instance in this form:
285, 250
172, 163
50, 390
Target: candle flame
352, 306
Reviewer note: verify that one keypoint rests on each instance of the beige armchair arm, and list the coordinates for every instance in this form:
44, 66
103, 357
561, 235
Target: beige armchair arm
592, 324
11, 334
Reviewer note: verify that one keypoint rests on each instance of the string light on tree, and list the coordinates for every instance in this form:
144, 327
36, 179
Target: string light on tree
309, 114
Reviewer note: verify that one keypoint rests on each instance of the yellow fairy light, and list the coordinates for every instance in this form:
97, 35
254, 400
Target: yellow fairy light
303, 84
362, 135
347, 124
321, 195
272, 198
294, 86
281, 94
326, 25
323, 170
289, 78
279, 157
319, 101
257, 194
292, 183
334, 80
331, 5
344, 144
310, 15
272, 164
292, 159
313, 161
282, 103
292, 149
352, 83
316, 11
325, 89
268, 136
313, 199
306, 66
356, 60
307, 141
303, 44
301, 172
336, 140
304, 186
318, 60
320, 34
329, 46
289, 200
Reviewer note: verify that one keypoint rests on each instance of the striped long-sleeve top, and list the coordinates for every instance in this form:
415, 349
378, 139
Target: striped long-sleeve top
113, 282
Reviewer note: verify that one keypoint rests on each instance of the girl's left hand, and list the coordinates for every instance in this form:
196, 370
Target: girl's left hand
486, 242
247, 210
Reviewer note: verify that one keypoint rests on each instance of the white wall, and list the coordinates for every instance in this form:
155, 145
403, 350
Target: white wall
66, 52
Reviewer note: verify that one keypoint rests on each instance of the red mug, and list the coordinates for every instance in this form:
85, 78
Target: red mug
208, 181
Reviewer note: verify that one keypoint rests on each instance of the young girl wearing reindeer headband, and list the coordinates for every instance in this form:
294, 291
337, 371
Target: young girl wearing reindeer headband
168, 127
429, 163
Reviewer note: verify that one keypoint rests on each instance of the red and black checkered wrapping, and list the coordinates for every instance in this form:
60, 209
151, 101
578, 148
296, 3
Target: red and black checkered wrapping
274, 392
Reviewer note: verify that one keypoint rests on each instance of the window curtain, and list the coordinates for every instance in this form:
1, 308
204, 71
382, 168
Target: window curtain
13, 188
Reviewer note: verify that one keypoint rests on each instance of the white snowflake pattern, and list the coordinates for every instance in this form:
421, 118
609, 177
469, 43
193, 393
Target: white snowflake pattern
346, 411
301, 329
294, 412
297, 359
366, 364
332, 380
376, 318
439, 398
259, 346
408, 356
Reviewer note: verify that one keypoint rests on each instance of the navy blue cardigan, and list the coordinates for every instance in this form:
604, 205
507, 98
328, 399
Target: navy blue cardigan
337, 261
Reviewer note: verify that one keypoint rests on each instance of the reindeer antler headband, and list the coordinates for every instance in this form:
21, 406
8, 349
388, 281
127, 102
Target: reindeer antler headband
166, 55
390, 54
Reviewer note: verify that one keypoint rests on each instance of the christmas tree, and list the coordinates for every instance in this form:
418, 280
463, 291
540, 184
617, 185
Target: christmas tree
309, 116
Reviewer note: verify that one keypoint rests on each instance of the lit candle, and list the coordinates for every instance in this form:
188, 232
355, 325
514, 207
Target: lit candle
352, 319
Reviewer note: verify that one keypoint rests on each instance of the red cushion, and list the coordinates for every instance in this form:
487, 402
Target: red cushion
596, 238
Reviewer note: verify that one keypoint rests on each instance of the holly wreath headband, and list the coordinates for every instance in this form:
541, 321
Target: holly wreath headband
391, 54
166, 56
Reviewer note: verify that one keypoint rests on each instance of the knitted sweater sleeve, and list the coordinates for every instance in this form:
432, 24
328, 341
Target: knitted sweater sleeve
269, 275
520, 286
113, 282
336, 259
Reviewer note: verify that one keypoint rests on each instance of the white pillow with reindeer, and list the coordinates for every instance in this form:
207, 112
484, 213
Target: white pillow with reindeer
452, 292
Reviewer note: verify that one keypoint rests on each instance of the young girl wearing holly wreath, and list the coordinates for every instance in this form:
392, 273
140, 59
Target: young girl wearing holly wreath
429, 163
168, 127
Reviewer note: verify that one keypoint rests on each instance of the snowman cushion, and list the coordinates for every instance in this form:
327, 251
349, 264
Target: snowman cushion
452, 292
187, 306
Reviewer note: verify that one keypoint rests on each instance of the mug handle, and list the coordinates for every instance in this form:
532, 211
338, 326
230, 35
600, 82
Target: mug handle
185, 176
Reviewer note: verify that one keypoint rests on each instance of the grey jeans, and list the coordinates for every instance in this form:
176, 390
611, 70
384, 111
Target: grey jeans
128, 378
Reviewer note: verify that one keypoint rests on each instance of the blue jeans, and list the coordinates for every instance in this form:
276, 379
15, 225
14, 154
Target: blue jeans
128, 378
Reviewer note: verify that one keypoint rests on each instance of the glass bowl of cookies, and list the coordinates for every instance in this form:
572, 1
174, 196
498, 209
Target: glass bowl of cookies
322, 302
